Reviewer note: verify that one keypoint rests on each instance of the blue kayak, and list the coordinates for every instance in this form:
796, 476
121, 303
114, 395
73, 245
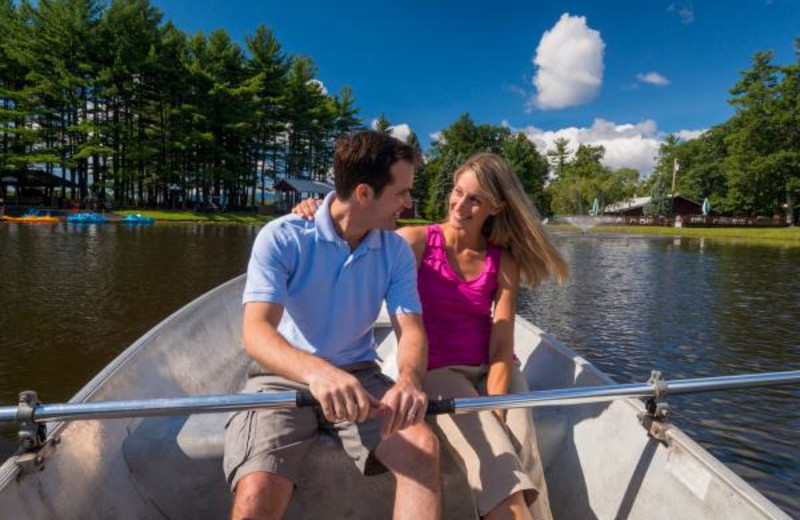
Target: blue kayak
86, 217
138, 219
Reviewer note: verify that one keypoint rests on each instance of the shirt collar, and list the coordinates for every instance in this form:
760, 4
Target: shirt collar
327, 231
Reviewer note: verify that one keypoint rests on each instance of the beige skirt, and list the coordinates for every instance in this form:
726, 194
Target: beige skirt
498, 459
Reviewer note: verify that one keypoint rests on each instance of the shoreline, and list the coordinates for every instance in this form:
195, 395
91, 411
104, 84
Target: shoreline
789, 236
784, 236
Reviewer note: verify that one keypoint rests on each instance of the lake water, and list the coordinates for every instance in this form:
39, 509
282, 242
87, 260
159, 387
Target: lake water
73, 297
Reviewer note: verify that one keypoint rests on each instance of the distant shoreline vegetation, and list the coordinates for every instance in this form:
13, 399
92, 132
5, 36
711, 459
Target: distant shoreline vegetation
771, 236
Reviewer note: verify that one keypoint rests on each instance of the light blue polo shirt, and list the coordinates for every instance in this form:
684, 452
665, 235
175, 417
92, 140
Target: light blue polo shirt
331, 295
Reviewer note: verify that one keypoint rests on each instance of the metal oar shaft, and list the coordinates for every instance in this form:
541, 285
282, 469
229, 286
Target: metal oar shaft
598, 394
228, 403
154, 407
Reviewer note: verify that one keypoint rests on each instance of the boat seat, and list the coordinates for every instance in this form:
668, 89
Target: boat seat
177, 463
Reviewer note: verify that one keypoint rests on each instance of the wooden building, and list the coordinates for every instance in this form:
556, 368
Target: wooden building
681, 205
291, 191
32, 187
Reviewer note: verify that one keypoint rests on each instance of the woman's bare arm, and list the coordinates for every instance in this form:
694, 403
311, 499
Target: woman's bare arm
501, 342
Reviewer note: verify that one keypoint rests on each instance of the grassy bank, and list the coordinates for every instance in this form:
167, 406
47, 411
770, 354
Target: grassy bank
777, 236
235, 218
191, 216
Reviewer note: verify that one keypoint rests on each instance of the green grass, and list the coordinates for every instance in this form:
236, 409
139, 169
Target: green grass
413, 222
776, 236
191, 216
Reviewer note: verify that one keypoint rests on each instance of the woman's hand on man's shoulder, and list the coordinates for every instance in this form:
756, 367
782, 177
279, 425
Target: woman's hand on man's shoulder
306, 208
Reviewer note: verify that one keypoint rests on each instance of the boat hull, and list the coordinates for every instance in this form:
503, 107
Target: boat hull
599, 461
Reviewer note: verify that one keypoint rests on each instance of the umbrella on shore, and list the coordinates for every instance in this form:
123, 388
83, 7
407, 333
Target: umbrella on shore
595, 207
706, 207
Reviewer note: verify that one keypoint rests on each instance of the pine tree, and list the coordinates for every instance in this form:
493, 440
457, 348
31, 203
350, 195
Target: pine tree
383, 125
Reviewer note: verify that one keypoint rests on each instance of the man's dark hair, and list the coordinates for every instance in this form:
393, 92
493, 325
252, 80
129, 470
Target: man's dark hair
365, 158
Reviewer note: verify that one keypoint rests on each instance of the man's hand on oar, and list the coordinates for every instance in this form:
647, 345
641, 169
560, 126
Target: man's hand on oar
341, 396
406, 405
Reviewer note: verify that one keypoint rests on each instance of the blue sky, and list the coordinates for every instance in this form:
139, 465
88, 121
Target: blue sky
617, 73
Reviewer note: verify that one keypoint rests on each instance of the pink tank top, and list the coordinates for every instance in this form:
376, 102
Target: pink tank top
457, 314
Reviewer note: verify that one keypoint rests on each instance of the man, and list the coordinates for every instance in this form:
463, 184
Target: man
313, 292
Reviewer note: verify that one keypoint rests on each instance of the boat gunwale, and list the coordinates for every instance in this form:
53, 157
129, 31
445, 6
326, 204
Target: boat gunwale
675, 435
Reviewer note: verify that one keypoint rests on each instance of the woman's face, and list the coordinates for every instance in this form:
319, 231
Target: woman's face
469, 206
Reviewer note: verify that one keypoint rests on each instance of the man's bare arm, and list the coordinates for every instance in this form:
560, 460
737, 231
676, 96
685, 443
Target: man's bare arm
340, 394
405, 400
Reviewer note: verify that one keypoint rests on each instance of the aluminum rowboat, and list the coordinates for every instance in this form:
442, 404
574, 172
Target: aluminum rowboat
599, 460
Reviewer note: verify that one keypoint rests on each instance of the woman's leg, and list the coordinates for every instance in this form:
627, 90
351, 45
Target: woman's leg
513, 507
480, 442
523, 433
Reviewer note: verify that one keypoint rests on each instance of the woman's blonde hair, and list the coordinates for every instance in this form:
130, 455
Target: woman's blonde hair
517, 226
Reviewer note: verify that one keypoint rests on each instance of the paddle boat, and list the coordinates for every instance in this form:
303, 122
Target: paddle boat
33, 216
137, 219
612, 459
86, 217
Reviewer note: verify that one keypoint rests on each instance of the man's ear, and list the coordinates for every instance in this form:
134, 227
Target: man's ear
364, 193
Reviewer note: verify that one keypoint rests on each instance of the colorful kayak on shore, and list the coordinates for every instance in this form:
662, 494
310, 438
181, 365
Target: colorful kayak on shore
33, 216
137, 219
86, 217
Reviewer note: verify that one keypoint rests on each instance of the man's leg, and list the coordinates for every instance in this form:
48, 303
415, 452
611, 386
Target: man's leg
412, 456
261, 496
264, 451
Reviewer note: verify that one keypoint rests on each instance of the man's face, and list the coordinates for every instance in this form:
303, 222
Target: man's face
394, 198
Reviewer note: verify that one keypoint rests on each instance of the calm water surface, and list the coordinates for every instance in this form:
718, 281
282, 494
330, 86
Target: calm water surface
72, 298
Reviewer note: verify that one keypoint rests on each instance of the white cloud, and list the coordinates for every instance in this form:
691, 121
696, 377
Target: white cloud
627, 145
683, 10
401, 131
653, 78
319, 84
688, 135
570, 65
437, 137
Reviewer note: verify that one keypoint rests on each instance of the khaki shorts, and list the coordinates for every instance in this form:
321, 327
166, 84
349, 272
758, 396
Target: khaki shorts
498, 459
277, 440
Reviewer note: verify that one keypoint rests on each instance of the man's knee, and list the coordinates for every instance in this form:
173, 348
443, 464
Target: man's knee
412, 450
422, 438
262, 496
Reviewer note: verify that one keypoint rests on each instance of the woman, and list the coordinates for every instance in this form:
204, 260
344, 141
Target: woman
470, 269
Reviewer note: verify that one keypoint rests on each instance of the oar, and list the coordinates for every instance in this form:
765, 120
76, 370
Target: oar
32, 412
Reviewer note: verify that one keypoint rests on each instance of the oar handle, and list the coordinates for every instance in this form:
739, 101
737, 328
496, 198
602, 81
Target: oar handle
306, 400
439, 407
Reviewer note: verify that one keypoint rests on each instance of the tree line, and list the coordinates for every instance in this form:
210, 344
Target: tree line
113, 98
750, 164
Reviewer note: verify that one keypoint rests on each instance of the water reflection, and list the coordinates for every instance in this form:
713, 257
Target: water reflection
73, 297
692, 308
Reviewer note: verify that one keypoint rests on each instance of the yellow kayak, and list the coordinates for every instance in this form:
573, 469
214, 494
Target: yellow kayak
34, 215
32, 219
